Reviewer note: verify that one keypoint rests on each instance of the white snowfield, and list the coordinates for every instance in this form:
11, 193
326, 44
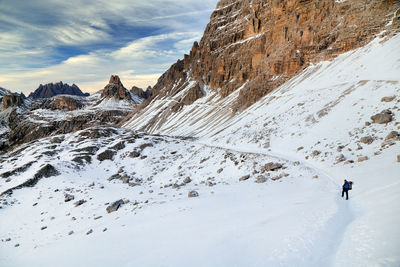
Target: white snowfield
297, 217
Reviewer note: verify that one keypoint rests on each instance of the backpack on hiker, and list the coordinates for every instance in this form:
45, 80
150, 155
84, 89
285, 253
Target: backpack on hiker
350, 185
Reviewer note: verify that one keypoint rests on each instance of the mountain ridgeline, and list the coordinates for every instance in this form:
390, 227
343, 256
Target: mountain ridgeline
53, 89
59, 109
247, 140
251, 47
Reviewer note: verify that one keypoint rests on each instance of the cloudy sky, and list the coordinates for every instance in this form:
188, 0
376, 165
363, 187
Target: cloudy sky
84, 42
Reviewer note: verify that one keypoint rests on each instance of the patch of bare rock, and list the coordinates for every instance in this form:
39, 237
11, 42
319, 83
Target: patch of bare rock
193, 194
385, 116
115, 205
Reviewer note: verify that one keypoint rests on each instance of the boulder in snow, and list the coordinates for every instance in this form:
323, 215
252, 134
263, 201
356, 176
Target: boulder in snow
210, 183
134, 154
393, 135
193, 194
367, 139
125, 179
340, 158
115, 206
384, 116
260, 179
79, 202
244, 178
271, 166
68, 197
315, 153
388, 98
108, 154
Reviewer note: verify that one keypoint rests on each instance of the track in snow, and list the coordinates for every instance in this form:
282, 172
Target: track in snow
325, 247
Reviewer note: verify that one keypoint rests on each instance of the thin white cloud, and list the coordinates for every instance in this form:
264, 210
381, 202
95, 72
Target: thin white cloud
140, 63
31, 33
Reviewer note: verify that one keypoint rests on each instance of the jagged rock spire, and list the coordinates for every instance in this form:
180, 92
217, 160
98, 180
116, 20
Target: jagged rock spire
115, 89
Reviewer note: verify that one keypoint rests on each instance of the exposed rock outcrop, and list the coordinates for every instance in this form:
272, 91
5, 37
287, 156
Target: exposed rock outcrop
23, 129
258, 45
46, 171
50, 90
142, 93
115, 89
267, 42
115, 206
60, 102
12, 100
385, 116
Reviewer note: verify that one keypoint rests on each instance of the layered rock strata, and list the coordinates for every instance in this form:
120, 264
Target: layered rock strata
251, 47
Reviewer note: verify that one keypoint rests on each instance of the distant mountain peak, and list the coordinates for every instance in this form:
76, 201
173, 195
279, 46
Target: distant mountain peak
59, 88
115, 89
143, 93
115, 80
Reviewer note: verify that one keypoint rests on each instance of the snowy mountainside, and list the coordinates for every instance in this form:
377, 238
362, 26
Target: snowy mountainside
38, 118
111, 103
268, 181
4, 91
65, 215
257, 188
322, 118
250, 48
212, 114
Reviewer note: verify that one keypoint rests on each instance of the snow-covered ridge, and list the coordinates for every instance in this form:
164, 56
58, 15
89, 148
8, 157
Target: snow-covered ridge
3, 91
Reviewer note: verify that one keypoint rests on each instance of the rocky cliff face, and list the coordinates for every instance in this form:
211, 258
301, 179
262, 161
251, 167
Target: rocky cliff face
50, 90
142, 93
60, 102
267, 42
115, 89
12, 100
9, 99
257, 45
59, 114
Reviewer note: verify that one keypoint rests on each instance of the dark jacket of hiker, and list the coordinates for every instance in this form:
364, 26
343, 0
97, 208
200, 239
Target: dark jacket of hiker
346, 187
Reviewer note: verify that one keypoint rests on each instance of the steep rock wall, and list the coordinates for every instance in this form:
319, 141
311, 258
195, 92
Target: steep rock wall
258, 45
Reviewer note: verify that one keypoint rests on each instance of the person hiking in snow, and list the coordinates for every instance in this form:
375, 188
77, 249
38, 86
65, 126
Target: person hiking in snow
346, 187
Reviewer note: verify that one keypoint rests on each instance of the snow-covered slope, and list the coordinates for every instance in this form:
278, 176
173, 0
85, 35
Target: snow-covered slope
326, 109
291, 216
3, 91
230, 222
